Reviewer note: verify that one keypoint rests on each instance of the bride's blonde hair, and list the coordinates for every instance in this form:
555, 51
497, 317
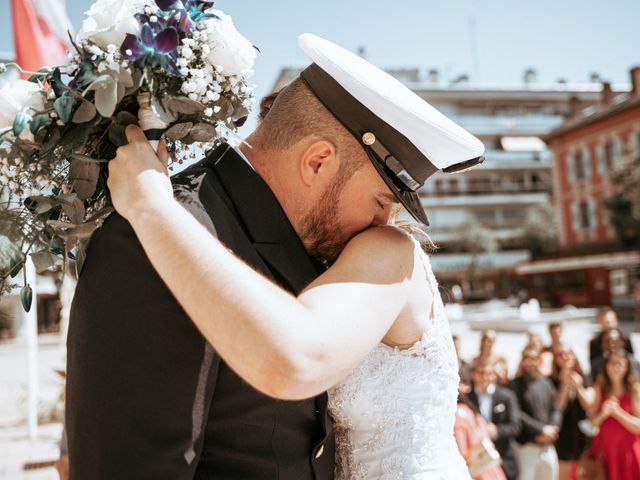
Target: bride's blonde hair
416, 230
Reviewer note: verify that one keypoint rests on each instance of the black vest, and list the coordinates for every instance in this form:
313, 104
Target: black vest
147, 397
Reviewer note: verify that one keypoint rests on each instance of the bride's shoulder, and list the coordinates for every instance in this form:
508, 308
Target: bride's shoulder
384, 245
387, 236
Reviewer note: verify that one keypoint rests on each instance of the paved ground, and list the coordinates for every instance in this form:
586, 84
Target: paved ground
16, 449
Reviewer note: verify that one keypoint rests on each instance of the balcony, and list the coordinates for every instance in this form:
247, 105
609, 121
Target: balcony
501, 160
533, 125
456, 262
502, 233
484, 198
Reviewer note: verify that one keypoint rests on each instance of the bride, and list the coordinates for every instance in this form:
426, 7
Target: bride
372, 329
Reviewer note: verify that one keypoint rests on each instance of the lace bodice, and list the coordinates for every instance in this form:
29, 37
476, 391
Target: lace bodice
393, 415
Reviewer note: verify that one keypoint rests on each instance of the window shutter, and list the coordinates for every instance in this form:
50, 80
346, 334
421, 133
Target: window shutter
575, 217
617, 152
593, 214
586, 162
569, 161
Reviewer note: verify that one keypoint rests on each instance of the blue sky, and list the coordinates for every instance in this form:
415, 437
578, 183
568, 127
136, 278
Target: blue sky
559, 38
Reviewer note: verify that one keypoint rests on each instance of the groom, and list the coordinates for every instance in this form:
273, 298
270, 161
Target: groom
147, 397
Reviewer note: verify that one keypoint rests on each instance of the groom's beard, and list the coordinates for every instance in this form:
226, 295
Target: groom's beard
320, 228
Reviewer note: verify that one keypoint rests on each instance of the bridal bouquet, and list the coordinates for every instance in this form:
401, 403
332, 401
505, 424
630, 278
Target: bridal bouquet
178, 68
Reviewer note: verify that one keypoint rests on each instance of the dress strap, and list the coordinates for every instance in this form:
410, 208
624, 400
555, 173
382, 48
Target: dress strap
431, 280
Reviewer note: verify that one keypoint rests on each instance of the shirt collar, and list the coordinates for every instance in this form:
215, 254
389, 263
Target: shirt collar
491, 389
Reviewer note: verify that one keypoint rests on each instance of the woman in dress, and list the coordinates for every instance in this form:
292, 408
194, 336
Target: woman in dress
372, 329
470, 431
573, 400
618, 417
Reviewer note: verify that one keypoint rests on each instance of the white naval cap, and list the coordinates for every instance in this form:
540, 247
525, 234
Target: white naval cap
406, 139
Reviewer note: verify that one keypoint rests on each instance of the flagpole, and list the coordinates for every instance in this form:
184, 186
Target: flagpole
31, 333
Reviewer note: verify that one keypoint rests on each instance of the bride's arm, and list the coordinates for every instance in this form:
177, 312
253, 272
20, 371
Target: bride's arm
285, 346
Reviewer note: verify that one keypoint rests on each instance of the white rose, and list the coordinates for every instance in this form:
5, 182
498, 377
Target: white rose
228, 48
16, 96
109, 21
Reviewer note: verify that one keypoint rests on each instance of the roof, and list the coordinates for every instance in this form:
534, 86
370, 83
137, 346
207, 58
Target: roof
591, 116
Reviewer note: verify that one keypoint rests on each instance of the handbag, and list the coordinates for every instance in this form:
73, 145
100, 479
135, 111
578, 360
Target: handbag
483, 457
591, 466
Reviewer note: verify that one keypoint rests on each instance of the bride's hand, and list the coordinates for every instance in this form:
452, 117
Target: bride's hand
138, 177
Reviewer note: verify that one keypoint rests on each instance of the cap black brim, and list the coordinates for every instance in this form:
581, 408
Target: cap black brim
409, 200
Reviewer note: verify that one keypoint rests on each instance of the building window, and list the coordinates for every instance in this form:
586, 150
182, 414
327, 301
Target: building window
438, 186
584, 215
579, 165
609, 155
453, 185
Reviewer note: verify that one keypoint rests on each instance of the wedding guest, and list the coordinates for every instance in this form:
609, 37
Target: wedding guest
573, 401
464, 368
555, 332
618, 417
470, 431
606, 319
540, 417
487, 341
498, 406
612, 340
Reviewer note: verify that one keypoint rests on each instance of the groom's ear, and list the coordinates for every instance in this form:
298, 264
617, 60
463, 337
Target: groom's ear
319, 164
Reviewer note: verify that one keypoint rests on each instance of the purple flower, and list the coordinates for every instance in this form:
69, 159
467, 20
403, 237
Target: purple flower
156, 48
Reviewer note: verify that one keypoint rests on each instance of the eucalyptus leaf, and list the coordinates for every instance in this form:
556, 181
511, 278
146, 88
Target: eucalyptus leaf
43, 207
160, 108
16, 266
85, 112
97, 83
179, 131
71, 232
11, 258
20, 122
26, 297
125, 118
117, 135
83, 177
203, 132
40, 121
107, 98
75, 211
64, 107
44, 260
226, 109
184, 105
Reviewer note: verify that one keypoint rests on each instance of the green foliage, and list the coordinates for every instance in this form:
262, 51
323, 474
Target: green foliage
540, 228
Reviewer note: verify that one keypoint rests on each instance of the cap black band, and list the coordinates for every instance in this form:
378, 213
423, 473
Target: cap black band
358, 120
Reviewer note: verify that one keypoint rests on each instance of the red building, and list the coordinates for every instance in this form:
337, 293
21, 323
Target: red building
591, 268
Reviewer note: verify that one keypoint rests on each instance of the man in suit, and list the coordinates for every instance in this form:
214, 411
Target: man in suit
499, 407
147, 396
541, 419
606, 319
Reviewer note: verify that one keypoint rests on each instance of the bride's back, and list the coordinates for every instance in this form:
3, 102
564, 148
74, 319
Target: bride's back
394, 414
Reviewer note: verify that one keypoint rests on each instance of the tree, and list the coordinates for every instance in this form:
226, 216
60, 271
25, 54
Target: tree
624, 206
474, 238
541, 229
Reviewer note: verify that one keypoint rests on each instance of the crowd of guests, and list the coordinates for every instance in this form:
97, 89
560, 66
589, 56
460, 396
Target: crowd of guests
551, 421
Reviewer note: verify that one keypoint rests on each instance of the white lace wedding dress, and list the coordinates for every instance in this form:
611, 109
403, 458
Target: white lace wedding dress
393, 415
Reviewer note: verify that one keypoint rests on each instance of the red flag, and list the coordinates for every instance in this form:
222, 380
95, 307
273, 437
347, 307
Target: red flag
39, 32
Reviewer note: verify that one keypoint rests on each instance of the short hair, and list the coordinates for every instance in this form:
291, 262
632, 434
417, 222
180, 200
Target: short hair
484, 363
553, 325
295, 113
